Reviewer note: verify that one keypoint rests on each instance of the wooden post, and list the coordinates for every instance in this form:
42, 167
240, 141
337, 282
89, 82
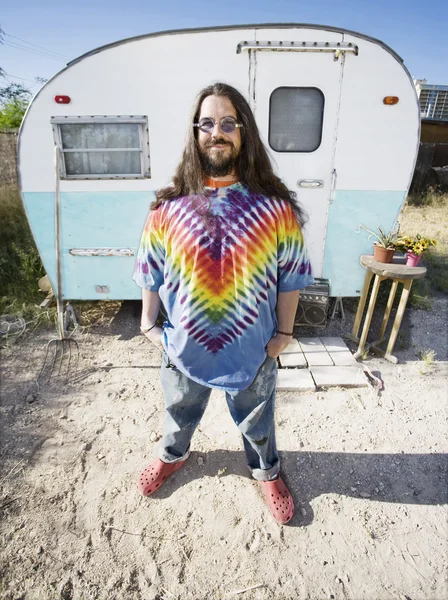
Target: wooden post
390, 302
361, 305
407, 284
370, 309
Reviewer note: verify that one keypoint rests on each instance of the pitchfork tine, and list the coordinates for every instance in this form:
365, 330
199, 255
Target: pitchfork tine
63, 345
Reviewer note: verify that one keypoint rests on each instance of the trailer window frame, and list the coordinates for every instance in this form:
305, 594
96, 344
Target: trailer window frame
143, 149
302, 87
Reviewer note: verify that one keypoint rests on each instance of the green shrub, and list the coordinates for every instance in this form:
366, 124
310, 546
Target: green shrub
12, 112
20, 264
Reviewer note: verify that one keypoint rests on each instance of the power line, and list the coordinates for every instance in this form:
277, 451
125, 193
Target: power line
13, 45
7, 75
38, 52
37, 46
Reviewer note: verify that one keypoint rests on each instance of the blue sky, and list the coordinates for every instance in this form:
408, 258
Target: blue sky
415, 30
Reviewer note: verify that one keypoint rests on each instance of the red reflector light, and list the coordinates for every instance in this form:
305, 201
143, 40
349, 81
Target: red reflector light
62, 99
390, 100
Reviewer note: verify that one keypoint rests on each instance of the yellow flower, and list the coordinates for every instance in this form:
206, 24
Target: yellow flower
415, 243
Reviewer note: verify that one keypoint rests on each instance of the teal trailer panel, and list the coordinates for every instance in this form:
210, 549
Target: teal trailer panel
115, 220
346, 240
91, 220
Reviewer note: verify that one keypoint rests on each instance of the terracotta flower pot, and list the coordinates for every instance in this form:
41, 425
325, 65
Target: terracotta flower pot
383, 255
412, 259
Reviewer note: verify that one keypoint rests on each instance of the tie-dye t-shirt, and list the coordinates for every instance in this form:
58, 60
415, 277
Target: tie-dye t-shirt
218, 263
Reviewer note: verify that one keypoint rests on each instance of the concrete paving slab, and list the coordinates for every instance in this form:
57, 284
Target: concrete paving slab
315, 352
292, 356
325, 377
295, 380
339, 351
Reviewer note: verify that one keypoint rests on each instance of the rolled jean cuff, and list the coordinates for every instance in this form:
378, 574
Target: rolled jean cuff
266, 474
166, 457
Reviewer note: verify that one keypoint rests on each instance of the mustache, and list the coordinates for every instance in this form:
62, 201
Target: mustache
218, 141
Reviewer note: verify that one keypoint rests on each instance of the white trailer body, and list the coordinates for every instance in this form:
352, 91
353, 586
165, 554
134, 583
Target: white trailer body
318, 97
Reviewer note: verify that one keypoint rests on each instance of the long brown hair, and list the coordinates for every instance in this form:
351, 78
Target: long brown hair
253, 165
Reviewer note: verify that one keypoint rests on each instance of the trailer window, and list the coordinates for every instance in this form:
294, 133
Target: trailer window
102, 147
295, 119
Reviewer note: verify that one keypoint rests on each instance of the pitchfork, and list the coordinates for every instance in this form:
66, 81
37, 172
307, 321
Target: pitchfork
62, 353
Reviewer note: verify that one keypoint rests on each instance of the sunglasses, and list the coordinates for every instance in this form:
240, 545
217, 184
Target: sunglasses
226, 124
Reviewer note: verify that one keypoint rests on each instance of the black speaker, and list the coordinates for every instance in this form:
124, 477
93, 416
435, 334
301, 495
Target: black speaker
313, 304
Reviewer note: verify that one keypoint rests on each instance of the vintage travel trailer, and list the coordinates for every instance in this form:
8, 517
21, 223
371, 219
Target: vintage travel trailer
337, 111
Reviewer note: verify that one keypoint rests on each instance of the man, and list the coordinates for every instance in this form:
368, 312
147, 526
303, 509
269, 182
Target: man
222, 248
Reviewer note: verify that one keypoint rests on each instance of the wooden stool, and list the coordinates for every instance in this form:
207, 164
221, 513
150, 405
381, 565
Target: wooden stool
399, 273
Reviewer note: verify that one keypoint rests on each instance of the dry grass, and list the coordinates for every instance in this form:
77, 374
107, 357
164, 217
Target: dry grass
431, 220
96, 313
427, 356
432, 197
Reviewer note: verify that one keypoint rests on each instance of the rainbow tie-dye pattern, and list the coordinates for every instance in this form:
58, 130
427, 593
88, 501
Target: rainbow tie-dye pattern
218, 263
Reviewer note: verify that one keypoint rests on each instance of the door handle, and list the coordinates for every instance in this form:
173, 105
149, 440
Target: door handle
310, 183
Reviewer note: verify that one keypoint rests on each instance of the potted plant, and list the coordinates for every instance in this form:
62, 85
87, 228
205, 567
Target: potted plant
413, 246
384, 247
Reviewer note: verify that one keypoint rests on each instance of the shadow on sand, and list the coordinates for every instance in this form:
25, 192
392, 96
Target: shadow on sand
400, 478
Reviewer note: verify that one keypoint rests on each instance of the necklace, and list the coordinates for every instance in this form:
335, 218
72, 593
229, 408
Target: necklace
208, 182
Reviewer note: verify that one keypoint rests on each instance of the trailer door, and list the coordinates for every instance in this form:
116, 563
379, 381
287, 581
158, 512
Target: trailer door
295, 96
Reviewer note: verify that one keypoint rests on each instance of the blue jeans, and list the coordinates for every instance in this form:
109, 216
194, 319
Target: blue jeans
252, 410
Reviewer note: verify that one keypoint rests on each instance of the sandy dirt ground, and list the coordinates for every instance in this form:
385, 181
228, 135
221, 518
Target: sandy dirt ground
368, 473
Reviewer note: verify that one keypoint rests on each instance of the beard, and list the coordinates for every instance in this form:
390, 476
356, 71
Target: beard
218, 163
